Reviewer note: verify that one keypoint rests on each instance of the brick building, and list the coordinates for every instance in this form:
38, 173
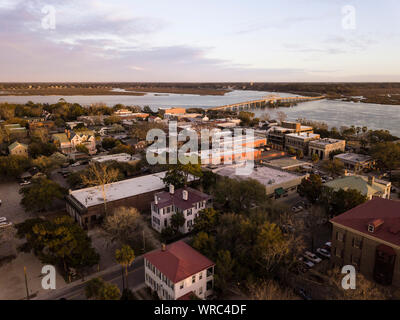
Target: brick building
368, 237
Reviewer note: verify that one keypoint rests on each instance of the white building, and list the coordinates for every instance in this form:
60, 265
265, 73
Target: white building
186, 200
119, 157
177, 271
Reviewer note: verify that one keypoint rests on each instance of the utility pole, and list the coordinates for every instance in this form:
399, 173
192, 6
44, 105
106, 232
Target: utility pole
144, 243
26, 284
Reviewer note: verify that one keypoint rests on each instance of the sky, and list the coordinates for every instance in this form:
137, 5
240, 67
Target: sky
199, 41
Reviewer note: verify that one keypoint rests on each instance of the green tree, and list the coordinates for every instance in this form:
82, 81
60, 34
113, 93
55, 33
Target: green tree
311, 188
39, 196
224, 269
239, 195
177, 221
338, 202
98, 289
13, 166
125, 257
60, 241
204, 243
387, 155
314, 158
333, 167
206, 220
178, 174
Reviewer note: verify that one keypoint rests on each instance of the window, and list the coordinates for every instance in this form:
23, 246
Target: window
357, 243
200, 290
201, 275
193, 279
210, 271
189, 212
340, 236
181, 285
338, 252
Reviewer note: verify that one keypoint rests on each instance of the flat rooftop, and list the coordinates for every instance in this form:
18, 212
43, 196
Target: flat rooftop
266, 175
325, 141
120, 157
353, 157
303, 135
285, 163
92, 196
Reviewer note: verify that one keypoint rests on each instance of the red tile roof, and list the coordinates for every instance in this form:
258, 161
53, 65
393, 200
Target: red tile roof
386, 210
179, 261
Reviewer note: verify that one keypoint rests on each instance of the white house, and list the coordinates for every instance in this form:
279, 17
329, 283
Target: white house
186, 200
177, 271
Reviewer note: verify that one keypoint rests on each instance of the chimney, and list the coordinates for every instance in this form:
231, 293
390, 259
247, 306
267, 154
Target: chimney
171, 189
371, 180
155, 199
163, 248
184, 194
375, 225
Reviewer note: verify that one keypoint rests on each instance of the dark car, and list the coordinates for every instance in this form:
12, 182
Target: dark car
302, 293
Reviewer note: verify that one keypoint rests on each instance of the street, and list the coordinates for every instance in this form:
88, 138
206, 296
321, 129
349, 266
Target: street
76, 290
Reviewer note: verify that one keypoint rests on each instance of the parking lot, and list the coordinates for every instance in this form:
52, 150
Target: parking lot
10, 207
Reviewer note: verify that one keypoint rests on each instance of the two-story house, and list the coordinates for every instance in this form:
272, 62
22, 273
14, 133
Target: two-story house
177, 271
185, 200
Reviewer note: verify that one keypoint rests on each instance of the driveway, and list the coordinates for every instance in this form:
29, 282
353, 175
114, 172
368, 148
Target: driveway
10, 207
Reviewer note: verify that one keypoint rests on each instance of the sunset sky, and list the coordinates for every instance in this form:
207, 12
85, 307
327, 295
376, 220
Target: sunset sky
176, 40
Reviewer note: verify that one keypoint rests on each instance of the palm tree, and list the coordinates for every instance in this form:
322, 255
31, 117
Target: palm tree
125, 257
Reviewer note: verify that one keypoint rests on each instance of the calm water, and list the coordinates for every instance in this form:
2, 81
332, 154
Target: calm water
334, 113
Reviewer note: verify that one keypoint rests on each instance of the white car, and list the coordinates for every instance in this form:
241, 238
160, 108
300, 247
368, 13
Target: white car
312, 257
25, 183
306, 262
5, 224
76, 164
328, 244
3, 219
323, 253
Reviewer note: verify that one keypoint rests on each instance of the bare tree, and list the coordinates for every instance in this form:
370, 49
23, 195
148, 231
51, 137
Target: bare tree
100, 176
365, 289
270, 290
123, 225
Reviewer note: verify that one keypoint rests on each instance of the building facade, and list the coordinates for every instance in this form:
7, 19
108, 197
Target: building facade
355, 162
368, 237
177, 271
323, 147
185, 200
300, 141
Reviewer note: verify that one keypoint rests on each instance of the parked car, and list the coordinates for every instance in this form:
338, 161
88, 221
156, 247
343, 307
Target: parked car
297, 209
5, 224
3, 219
306, 262
323, 253
0, 202
328, 245
25, 183
312, 257
76, 164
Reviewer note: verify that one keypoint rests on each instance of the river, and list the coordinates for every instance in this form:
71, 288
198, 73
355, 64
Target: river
333, 112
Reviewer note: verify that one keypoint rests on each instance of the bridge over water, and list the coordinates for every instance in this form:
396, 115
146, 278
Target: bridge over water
265, 101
